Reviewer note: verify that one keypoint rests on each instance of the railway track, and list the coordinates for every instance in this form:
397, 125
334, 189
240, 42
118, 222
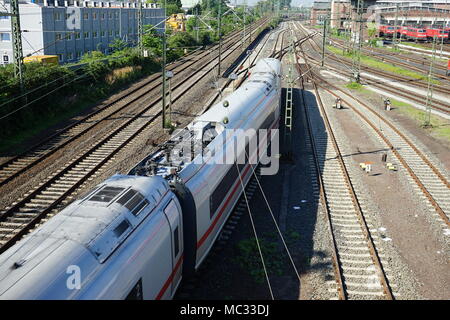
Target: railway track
359, 272
435, 103
431, 182
404, 62
47, 199
126, 103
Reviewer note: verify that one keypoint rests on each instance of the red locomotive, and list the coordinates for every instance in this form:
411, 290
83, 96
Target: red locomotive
415, 33
439, 33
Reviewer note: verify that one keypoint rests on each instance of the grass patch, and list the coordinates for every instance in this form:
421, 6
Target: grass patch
440, 127
354, 86
248, 255
374, 63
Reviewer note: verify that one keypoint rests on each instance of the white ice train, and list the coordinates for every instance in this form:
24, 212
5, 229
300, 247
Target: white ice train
134, 236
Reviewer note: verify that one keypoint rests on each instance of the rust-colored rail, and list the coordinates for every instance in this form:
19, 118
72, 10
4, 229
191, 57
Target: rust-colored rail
373, 252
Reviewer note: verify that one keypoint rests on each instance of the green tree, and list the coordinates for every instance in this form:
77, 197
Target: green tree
152, 40
118, 45
178, 42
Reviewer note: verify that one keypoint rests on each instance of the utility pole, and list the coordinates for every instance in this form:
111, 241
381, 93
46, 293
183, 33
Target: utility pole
324, 39
196, 24
164, 49
243, 39
357, 43
220, 37
442, 34
396, 27
140, 30
17, 41
430, 86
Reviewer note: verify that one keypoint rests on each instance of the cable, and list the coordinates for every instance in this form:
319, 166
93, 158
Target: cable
254, 232
274, 221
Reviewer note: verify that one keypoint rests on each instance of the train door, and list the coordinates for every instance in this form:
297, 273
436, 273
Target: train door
173, 214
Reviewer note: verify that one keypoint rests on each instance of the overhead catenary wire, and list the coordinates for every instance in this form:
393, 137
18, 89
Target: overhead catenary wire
254, 232
276, 223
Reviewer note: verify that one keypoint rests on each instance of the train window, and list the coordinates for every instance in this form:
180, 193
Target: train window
269, 120
127, 196
221, 190
139, 207
136, 292
106, 194
121, 228
176, 242
130, 205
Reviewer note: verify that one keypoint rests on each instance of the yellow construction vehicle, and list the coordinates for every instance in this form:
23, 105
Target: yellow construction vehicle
45, 59
177, 22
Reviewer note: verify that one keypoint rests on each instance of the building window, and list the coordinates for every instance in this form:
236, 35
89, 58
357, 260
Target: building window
5, 59
5, 36
94, 15
58, 37
69, 56
68, 36
86, 35
4, 18
103, 16
102, 33
85, 16
117, 15
94, 34
79, 54
117, 33
57, 16
60, 57
77, 35
110, 15
110, 33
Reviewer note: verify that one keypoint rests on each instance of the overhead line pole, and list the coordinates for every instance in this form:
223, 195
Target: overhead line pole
164, 49
140, 29
220, 37
357, 43
324, 39
430, 86
17, 40
396, 26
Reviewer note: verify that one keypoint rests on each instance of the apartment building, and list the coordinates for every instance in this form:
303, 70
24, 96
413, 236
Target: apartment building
71, 29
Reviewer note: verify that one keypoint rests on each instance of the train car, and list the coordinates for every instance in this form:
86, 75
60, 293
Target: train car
44, 59
402, 32
416, 34
439, 33
135, 236
387, 31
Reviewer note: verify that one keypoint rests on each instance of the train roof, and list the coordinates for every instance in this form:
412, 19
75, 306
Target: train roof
91, 228
229, 113
263, 78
